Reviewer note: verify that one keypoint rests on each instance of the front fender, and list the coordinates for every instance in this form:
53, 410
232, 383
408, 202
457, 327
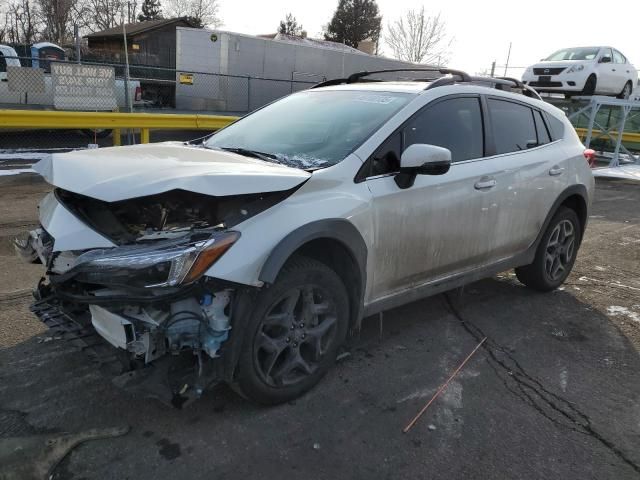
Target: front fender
333, 228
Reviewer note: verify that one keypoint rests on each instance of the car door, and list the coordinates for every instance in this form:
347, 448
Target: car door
606, 71
443, 223
529, 169
622, 70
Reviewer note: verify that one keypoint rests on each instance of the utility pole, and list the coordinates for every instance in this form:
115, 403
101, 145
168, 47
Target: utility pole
506, 66
127, 95
493, 69
76, 33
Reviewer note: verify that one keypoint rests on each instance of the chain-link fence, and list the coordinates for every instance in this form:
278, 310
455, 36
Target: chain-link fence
93, 86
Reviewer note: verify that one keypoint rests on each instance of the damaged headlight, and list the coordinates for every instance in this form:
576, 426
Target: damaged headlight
163, 264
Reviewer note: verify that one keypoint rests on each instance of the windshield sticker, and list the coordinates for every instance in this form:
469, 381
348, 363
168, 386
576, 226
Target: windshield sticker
380, 99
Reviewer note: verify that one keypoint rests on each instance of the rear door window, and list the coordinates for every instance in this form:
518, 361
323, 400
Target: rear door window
3, 63
455, 124
513, 126
618, 57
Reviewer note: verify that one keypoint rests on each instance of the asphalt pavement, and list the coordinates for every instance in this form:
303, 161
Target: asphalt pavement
553, 393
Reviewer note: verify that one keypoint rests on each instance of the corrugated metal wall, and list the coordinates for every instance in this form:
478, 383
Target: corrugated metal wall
275, 68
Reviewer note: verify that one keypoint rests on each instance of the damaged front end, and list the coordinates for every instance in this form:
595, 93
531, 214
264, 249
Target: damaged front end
144, 308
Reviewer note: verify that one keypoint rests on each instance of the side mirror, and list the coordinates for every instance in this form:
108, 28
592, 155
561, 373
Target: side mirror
422, 159
605, 60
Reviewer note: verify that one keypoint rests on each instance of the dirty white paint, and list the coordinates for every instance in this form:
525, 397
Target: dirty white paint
564, 379
599, 268
616, 310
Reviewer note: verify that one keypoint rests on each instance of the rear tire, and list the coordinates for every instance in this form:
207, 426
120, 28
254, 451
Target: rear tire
556, 253
626, 91
293, 333
590, 85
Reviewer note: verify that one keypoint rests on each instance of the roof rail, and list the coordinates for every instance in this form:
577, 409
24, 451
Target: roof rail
360, 76
454, 76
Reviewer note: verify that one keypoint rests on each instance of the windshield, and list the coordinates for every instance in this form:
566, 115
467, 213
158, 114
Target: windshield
588, 53
311, 129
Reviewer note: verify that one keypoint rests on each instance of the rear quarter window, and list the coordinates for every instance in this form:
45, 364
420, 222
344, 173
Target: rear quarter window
556, 127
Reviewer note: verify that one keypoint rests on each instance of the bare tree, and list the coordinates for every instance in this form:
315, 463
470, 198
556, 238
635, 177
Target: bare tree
57, 18
27, 19
203, 13
107, 13
419, 38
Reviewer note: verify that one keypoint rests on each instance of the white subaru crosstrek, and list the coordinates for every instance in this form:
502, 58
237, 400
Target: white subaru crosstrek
584, 71
248, 259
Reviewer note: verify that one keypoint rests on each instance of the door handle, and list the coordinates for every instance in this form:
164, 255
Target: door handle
555, 170
485, 183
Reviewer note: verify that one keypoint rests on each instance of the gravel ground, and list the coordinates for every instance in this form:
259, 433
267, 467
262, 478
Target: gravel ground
555, 392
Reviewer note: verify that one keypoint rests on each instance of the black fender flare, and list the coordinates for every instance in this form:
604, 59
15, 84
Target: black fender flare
338, 229
579, 190
334, 228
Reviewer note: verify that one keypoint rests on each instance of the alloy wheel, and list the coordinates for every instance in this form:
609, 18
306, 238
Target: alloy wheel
560, 250
294, 335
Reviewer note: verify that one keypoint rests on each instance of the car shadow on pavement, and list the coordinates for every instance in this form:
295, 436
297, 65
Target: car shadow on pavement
553, 393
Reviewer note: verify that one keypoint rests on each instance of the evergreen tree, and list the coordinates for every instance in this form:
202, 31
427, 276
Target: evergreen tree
151, 10
355, 21
290, 26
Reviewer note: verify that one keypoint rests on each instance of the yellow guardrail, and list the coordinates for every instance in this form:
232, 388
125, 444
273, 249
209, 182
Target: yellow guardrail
48, 119
626, 136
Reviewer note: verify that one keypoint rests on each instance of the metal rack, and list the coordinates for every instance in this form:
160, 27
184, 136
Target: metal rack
588, 108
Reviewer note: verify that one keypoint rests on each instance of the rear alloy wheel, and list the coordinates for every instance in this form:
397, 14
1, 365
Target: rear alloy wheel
556, 253
294, 333
626, 91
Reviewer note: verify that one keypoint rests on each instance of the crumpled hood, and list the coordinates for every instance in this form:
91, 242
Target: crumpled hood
119, 173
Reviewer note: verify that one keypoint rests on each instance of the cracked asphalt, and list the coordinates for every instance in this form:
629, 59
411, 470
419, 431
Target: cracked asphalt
553, 393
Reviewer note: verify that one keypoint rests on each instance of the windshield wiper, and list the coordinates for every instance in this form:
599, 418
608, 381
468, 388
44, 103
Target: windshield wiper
250, 153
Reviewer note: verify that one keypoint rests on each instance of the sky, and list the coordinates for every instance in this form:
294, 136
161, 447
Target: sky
481, 30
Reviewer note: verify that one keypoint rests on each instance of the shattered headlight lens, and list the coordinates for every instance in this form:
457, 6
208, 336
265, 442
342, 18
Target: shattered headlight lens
575, 68
162, 264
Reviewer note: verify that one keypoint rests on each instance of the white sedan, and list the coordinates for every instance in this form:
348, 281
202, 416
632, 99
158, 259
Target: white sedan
584, 71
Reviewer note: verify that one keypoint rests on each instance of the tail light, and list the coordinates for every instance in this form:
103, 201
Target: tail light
138, 95
590, 156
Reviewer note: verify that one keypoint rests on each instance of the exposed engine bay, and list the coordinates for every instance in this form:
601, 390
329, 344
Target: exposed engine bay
147, 296
166, 215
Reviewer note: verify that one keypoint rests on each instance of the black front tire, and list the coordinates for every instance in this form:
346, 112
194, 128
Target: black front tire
590, 85
556, 253
293, 333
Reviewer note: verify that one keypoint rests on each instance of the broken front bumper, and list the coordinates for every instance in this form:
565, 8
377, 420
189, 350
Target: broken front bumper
173, 362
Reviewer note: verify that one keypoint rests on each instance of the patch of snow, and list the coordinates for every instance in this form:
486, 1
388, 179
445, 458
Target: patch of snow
564, 378
616, 310
301, 161
426, 392
626, 172
23, 155
16, 171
